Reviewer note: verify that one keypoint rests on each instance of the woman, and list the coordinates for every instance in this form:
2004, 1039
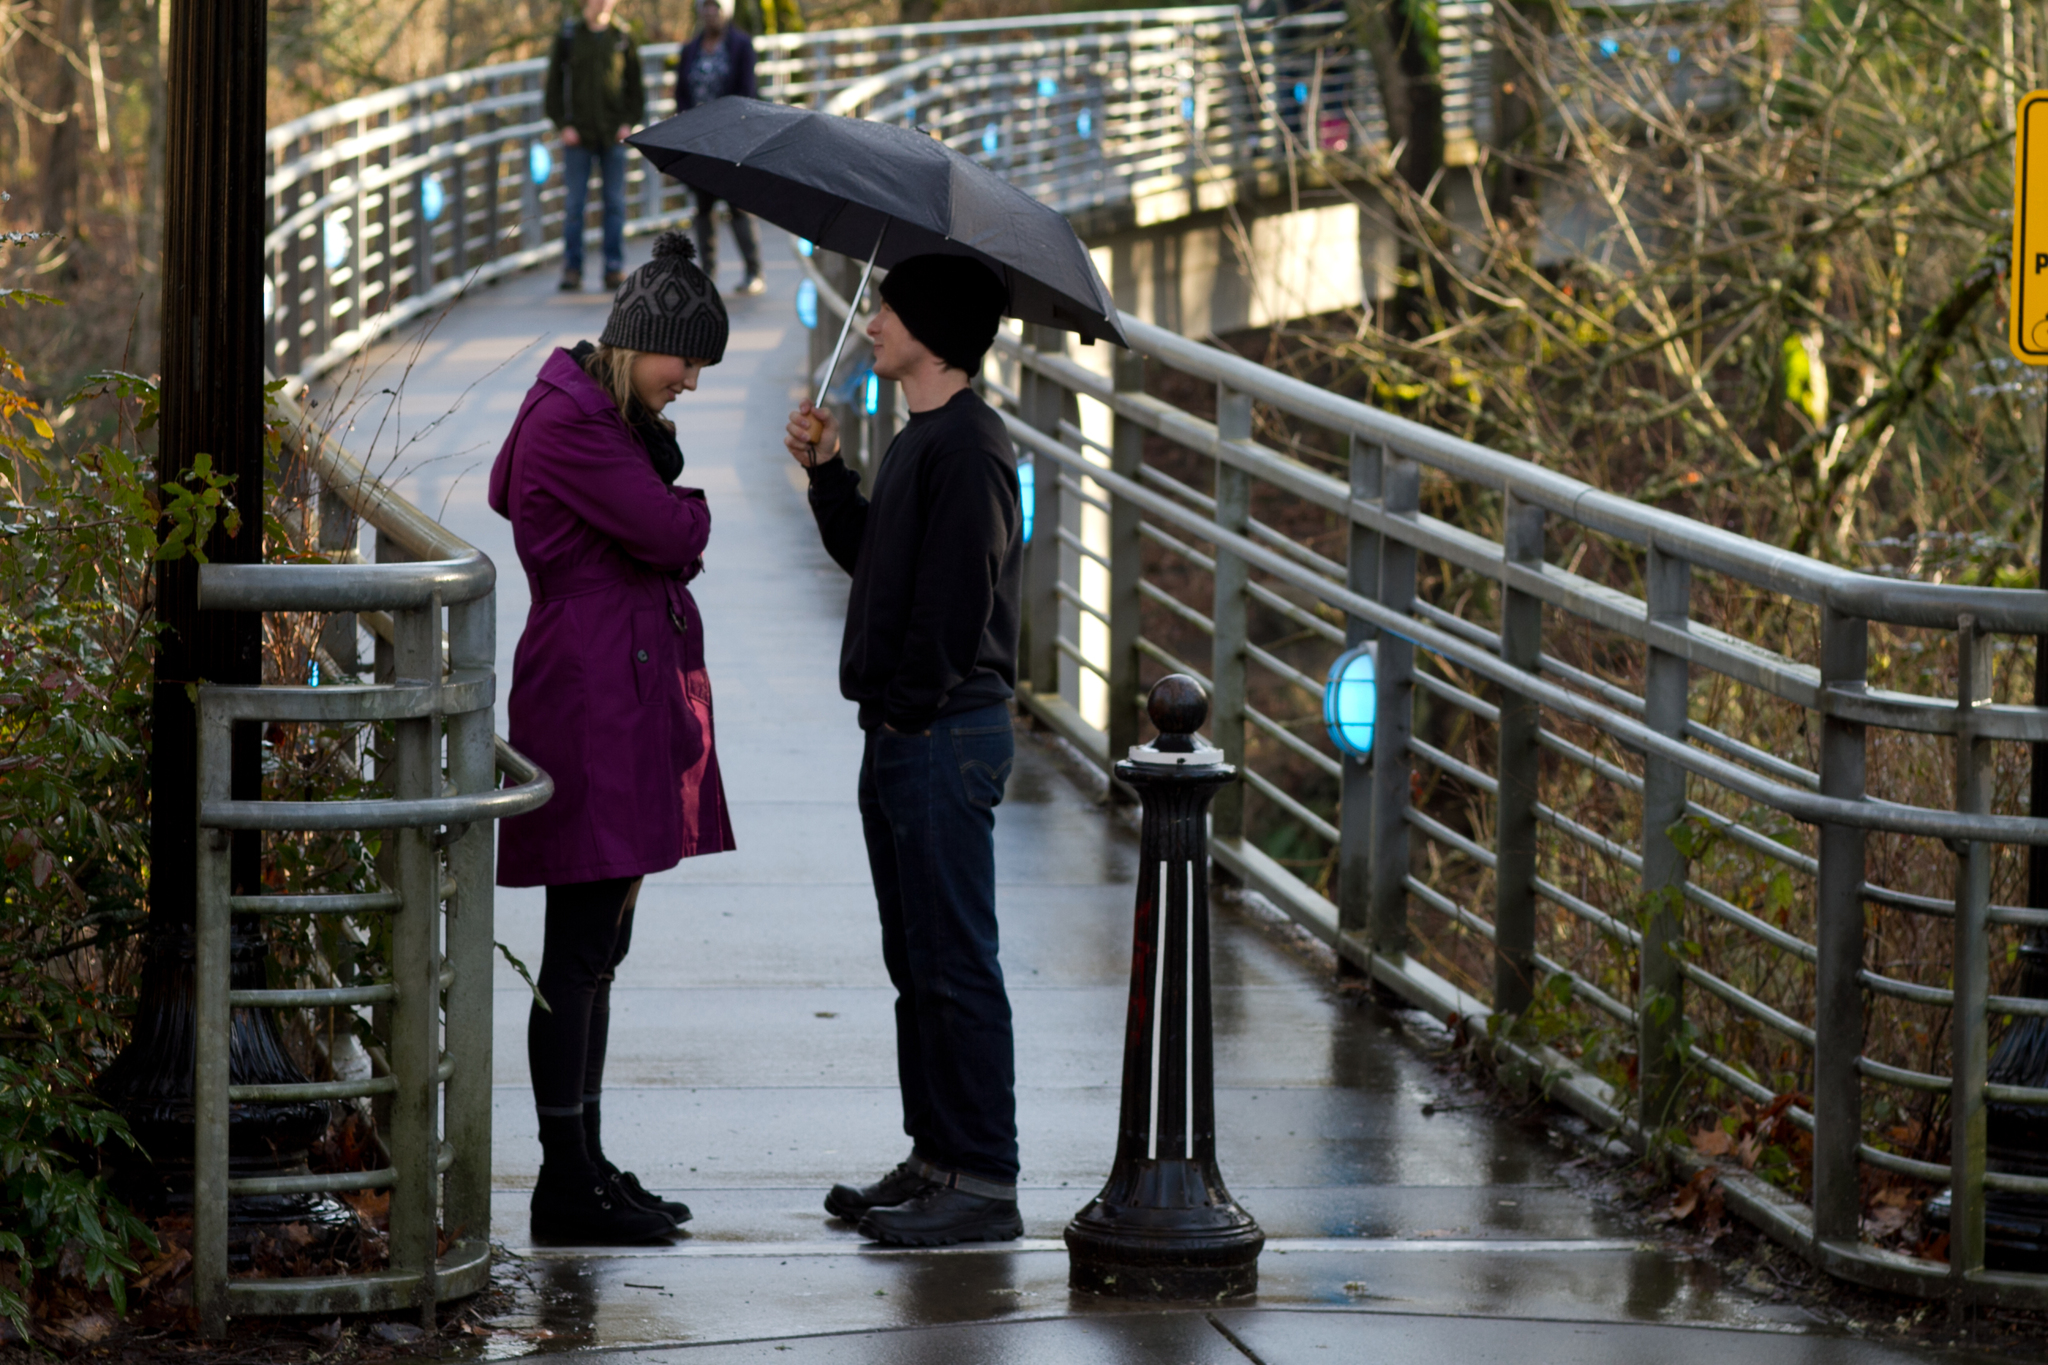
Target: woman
610, 697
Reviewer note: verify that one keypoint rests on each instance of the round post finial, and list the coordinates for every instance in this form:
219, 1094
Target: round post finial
1177, 706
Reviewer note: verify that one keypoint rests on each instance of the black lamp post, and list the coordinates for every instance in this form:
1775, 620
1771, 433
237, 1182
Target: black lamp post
1164, 1227
212, 403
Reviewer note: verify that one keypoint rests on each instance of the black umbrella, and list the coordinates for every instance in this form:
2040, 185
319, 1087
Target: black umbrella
883, 193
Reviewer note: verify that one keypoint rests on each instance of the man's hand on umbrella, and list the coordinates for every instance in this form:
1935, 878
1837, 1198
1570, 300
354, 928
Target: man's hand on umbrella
624, 132
812, 437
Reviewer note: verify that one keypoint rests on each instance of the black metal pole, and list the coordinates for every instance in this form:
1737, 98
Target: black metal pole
211, 403
1164, 1227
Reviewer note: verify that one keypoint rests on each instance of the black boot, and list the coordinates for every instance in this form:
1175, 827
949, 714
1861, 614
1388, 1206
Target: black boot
625, 1182
584, 1208
942, 1216
900, 1186
575, 1202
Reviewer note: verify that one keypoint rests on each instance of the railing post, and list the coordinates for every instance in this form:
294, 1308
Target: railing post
1126, 566
416, 970
1354, 810
472, 766
1838, 993
1514, 875
1045, 403
422, 226
1661, 999
338, 533
1387, 906
1969, 1026
458, 212
533, 232
1227, 610
212, 968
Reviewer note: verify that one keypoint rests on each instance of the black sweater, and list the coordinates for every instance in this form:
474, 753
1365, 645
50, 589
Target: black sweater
937, 559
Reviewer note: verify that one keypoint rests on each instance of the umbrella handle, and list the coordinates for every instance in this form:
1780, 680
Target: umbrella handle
817, 431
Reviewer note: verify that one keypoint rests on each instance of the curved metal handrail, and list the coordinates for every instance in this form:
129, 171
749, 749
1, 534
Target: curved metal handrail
345, 587
384, 207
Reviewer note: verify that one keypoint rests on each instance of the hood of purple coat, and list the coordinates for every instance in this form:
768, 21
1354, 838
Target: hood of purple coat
558, 372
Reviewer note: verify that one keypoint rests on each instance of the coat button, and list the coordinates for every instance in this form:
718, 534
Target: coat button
641, 656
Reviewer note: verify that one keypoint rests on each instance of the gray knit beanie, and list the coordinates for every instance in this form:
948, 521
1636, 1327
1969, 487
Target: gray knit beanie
669, 306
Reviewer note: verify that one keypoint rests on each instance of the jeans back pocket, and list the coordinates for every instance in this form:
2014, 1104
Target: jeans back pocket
984, 754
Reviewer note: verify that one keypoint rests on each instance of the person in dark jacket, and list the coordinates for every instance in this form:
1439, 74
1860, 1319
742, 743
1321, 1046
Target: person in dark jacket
609, 695
595, 96
930, 655
718, 62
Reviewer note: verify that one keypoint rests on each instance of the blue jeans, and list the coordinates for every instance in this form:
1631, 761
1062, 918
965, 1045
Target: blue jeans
576, 175
927, 807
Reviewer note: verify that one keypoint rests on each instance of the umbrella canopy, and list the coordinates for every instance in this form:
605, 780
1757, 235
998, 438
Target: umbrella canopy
838, 182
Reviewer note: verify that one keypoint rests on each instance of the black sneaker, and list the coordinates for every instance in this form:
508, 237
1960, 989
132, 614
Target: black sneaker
942, 1216
572, 280
628, 1185
588, 1210
900, 1186
614, 278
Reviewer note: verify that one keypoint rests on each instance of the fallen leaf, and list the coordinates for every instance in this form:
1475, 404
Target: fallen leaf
164, 1268
397, 1333
1712, 1142
88, 1328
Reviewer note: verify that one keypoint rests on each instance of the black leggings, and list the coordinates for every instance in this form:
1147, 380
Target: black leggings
589, 928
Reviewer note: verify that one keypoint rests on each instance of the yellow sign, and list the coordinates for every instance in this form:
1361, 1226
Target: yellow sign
2027, 320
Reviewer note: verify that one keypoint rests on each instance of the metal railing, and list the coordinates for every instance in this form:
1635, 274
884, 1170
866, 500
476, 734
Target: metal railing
1101, 507
385, 207
434, 687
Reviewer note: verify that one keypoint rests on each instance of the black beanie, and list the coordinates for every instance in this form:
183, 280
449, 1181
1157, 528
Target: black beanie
669, 306
953, 304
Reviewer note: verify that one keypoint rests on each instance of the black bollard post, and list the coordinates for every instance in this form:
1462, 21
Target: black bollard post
1164, 1227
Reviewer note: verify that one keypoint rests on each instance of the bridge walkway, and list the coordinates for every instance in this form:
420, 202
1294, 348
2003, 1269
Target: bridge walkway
751, 1057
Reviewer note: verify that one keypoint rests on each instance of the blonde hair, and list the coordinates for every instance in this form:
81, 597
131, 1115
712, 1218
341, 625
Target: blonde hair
612, 368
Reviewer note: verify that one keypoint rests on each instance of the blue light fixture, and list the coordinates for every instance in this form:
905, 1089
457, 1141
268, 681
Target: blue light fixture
1085, 123
1351, 700
313, 674
871, 394
539, 163
1673, 55
335, 242
432, 197
1047, 87
1609, 46
1301, 92
807, 303
1187, 108
804, 246
991, 138
1027, 495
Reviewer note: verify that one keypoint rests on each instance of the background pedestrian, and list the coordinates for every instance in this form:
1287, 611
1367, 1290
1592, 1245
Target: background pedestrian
717, 62
930, 654
595, 96
609, 695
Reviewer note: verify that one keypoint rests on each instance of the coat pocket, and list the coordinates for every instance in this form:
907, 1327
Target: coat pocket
653, 656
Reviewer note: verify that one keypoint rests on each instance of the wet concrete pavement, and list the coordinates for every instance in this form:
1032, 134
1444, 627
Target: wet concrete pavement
751, 1055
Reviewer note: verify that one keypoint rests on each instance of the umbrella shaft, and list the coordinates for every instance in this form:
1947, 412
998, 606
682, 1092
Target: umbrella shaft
852, 307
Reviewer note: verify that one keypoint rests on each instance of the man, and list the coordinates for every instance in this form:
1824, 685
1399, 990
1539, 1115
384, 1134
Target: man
718, 62
594, 96
930, 654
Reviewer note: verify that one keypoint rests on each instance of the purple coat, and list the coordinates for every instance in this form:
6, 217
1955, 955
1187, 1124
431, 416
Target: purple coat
609, 693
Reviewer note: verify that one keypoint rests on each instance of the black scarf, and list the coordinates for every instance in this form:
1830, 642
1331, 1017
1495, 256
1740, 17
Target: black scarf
656, 435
